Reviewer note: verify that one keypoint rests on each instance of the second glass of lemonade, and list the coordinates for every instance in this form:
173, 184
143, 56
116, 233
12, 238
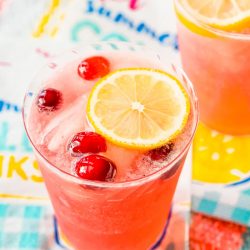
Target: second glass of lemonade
111, 125
214, 40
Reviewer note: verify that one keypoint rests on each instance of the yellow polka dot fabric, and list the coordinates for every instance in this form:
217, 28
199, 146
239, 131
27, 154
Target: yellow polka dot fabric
219, 158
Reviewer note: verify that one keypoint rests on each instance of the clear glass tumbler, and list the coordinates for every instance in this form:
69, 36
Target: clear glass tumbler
217, 63
110, 215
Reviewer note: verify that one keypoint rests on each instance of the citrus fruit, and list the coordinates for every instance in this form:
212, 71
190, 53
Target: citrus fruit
227, 15
138, 108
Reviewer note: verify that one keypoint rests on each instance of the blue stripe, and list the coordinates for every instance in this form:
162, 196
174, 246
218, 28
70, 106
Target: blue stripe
57, 237
239, 182
158, 243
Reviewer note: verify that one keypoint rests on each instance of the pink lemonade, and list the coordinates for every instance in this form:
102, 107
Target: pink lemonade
217, 62
124, 200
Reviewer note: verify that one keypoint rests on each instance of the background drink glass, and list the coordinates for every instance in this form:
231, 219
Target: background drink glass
102, 215
217, 63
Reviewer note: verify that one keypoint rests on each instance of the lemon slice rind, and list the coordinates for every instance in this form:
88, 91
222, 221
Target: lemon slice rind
139, 143
234, 22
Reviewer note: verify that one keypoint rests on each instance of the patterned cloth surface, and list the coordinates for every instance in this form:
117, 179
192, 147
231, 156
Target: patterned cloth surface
217, 204
26, 227
31, 227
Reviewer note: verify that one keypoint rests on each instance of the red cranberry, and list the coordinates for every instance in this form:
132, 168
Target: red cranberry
161, 153
93, 68
49, 99
87, 142
95, 167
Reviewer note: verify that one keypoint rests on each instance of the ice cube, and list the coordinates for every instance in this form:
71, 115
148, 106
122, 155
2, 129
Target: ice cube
65, 124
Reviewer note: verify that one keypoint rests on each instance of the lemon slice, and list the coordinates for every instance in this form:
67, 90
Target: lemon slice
138, 108
228, 15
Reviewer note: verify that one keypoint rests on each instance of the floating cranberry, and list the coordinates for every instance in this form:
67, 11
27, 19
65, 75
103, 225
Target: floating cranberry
161, 153
87, 142
49, 99
93, 68
95, 167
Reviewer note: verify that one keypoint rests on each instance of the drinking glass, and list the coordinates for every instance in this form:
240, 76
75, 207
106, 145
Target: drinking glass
111, 215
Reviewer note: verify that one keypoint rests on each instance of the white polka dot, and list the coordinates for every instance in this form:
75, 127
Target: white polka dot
214, 133
230, 150
215, 156
202, 148
227, 138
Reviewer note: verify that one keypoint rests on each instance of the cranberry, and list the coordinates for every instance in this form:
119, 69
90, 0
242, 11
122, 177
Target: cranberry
49, 99
95, 167
161, 153
87, 142
93, 68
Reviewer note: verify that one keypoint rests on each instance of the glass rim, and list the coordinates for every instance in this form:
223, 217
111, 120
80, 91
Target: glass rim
135, 182
213, 30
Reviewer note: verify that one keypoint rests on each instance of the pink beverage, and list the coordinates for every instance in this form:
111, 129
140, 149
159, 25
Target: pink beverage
123, 199
217, 63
